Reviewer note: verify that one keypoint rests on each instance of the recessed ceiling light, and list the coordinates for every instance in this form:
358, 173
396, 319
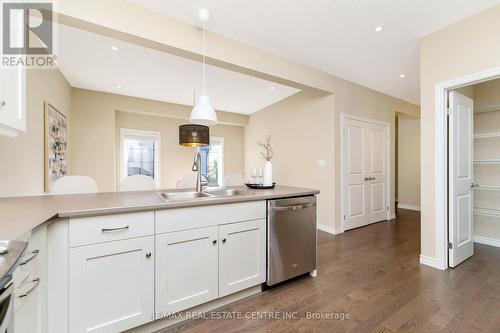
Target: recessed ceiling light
272, 88
118, 86
402, 76
114, 48
378, 28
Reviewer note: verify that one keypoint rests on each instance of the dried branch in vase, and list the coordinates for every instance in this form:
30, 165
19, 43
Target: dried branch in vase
266, 149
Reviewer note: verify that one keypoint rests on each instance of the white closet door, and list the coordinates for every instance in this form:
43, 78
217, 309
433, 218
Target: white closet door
461, 170
377, 172
365, 173
355, 163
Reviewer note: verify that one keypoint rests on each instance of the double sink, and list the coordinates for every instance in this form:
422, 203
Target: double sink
218, 193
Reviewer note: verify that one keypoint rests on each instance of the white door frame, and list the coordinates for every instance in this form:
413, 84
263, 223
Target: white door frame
441, 160
343, 118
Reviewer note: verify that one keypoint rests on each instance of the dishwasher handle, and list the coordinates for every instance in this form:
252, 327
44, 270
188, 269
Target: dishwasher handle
293, 207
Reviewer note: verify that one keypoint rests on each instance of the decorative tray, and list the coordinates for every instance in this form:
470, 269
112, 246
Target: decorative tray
260, 186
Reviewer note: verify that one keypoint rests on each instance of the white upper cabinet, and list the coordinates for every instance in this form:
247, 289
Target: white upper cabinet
12, 101
242, 256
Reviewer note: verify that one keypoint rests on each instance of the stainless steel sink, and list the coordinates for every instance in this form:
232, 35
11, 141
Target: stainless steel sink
179, 196
229, 192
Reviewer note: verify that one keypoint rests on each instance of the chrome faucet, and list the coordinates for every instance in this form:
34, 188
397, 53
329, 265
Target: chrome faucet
197, 168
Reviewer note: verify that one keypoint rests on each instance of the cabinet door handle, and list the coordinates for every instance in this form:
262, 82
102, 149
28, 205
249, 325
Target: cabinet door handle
224, 240
367, 179
26, 293
214, 241
148, 255
115, 229
34, 253
2, 103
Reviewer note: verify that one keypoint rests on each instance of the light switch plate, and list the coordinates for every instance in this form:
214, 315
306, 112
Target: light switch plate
321, 163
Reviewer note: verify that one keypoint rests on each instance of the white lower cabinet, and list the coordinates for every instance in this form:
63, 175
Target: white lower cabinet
117, 272
111, 285
199, 265
186, 269
30, 283
29, 312
242, 256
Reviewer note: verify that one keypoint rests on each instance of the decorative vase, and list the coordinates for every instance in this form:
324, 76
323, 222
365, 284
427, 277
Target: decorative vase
268, 174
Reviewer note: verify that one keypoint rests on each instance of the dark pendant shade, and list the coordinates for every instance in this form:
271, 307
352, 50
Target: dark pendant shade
192, 135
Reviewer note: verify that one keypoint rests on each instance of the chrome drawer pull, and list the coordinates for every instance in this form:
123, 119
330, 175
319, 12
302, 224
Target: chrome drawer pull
26, 293
115, 229
34, 253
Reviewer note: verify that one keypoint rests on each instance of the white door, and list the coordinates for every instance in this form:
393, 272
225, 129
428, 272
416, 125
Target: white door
111, 285
186, 269
365, 175
461, 173
242, 256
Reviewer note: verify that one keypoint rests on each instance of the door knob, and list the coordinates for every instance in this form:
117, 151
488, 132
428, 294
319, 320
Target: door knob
224, 240
214, 241
148, 255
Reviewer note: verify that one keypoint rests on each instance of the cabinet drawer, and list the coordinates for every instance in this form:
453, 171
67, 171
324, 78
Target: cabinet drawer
99, 229
27, 292
30, 260
170, 220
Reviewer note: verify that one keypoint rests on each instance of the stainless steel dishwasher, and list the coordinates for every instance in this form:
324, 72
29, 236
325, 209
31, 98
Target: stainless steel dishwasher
291, 243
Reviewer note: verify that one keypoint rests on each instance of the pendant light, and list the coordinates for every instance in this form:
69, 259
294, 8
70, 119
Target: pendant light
203, 113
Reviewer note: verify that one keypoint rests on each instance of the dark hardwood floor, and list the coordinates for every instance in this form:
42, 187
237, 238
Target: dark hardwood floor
373, 274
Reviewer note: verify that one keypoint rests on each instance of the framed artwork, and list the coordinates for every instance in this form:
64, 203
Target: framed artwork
56, 134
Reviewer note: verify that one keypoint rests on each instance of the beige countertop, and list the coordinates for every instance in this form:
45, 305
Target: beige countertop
20, 215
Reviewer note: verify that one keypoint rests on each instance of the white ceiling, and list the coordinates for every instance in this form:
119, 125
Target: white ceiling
88, 61
336, 36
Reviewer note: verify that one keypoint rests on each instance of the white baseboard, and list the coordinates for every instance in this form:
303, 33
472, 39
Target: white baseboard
330, 230
392, 216
425, 260
487, 241
410, 207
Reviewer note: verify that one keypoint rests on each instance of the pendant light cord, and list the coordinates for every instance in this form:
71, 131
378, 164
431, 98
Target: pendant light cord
204, 60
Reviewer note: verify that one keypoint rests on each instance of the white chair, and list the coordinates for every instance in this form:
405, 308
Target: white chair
234, 179
137, 183
189, 181
74, 185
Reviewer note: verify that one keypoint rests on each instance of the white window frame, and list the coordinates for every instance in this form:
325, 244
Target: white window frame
220, 141
156, 136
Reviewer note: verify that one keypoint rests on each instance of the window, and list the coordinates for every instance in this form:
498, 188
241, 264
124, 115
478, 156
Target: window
140, 153
212, 161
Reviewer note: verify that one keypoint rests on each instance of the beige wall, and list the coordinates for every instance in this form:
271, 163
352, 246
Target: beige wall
22, 167
466, 47
305, 128
409, 162
302, 132
176, 160
94, 134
